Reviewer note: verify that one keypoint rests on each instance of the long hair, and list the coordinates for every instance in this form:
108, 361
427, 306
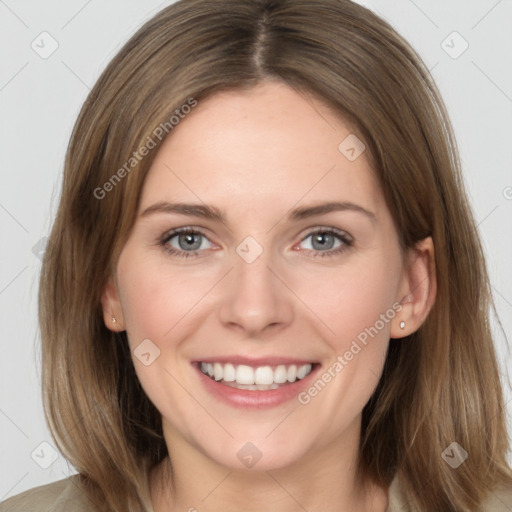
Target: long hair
440, 385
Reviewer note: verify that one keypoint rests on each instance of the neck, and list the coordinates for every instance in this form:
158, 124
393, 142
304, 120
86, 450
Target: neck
322, 480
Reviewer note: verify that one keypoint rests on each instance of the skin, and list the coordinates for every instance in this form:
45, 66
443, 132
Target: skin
255, 155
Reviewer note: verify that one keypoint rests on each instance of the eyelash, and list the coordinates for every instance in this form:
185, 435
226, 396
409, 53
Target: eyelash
343, 237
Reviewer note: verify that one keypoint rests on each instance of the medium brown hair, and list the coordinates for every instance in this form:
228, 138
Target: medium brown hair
439, 385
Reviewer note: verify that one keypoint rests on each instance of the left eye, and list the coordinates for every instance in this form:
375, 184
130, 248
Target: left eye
323, 240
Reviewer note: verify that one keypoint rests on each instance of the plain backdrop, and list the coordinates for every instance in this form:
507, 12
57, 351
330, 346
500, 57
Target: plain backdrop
39, 102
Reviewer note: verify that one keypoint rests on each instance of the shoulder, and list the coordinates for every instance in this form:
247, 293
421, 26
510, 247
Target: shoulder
61, 496
498, 500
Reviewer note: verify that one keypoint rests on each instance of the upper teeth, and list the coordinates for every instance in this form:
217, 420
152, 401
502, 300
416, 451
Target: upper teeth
264, 375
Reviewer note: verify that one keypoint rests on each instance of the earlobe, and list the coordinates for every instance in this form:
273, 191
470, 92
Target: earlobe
418, 291
112, 310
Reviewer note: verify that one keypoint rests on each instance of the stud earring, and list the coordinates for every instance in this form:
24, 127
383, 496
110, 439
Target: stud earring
402, 325
114, 320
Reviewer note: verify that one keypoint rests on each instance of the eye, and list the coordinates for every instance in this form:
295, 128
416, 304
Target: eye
187, 242
323, 242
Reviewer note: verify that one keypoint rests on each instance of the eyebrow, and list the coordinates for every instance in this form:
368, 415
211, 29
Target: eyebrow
209, 212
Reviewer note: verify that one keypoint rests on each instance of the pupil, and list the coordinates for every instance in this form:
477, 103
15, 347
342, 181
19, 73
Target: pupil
318, 239
189, 237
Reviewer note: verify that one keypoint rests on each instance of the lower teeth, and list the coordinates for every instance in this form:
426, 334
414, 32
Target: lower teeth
251, 387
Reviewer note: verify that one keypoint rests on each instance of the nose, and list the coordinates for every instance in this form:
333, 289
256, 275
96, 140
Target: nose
255, 298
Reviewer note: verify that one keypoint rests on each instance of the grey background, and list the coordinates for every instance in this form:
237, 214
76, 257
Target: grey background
40, 99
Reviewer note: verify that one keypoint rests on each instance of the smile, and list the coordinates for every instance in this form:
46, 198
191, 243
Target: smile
259, 378
255, 383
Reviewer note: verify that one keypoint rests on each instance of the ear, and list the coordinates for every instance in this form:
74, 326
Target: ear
112, 310
417, 290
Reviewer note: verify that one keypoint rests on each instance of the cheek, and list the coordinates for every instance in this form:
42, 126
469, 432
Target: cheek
358, 308
158, 305
353, 298
156, 298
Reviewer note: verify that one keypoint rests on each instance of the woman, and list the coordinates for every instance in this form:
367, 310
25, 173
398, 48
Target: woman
264, 288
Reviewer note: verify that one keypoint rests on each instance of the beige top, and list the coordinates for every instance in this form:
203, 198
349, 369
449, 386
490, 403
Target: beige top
66, 496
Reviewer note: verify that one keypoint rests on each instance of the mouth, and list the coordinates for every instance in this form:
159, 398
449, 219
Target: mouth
245, 383
260, 378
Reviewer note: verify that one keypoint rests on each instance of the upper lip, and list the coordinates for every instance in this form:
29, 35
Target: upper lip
256, 361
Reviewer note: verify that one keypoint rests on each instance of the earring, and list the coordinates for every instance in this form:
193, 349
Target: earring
114, 320
402, 325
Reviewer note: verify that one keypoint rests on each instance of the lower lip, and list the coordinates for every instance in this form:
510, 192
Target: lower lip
247, 399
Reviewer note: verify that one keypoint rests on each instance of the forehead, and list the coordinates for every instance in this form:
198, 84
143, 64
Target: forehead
266, 148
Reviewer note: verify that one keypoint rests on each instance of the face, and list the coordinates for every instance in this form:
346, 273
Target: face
272, 289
